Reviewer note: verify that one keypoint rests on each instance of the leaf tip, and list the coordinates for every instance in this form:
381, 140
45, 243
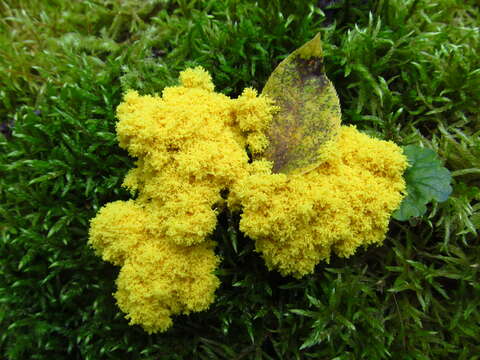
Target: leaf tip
312, 48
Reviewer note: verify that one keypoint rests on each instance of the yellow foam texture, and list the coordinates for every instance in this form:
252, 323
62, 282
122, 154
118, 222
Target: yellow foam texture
190, 144
346, 202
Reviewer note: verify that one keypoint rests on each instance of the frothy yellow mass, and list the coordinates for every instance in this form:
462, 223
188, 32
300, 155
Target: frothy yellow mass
298, 220
191, 144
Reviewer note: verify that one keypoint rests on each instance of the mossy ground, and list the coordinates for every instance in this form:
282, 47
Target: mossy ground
405, 70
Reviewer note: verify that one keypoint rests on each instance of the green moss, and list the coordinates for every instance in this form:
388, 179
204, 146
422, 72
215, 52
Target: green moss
406, 72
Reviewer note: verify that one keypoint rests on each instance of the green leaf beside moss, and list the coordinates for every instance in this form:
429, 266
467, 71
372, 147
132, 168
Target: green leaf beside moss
426, 180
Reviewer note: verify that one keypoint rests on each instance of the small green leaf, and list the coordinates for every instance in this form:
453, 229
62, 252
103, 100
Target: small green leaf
426, 180
46, 177
305, 313
57, 226
313, 339
345, 322
309, 110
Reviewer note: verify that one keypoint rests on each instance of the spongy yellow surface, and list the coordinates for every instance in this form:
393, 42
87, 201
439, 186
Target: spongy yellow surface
299, 220
190, 144
162, 279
